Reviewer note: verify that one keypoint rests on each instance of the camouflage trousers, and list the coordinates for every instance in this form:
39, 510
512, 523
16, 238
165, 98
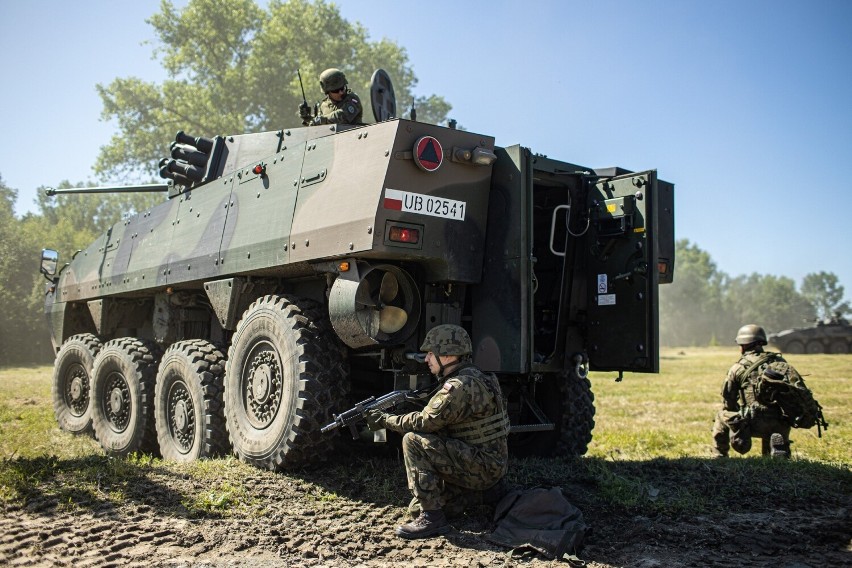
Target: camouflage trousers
442, 472
732, 430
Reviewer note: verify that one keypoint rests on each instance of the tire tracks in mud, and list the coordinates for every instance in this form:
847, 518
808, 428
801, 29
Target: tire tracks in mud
318, 519
49, 537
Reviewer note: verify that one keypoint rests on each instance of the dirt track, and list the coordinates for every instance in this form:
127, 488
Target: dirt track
321, 518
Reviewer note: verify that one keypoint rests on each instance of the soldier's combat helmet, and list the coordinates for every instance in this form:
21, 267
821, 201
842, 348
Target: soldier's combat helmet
447, 339
332, 80
751, 333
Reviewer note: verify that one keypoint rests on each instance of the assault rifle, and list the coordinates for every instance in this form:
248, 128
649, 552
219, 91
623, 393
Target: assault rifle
353, 415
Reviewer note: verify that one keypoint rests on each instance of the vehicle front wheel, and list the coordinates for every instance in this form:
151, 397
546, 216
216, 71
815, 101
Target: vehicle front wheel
123, 396
189, 412
71, 384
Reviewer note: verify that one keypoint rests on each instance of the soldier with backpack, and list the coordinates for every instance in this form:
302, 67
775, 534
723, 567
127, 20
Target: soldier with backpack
763, 397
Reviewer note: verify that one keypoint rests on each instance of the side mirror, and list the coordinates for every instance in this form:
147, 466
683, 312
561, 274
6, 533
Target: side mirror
49, 259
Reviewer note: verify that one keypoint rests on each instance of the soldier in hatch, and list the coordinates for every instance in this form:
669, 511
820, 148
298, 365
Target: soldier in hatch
741, 416
456, 447
340, 105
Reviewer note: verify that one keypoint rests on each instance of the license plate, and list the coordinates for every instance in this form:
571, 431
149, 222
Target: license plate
424, 204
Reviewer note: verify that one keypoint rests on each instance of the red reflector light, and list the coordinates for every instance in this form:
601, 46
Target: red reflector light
259, 169
404, 235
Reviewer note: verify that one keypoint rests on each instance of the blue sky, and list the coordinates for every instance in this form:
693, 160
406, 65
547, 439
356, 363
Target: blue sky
745, 105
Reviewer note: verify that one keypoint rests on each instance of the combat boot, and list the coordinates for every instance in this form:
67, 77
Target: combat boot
778, 449
427, 525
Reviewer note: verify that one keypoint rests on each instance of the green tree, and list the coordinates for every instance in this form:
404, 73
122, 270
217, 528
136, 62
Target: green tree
23, 333
769, 301
825, 293
232, 69
691, 306
66, 223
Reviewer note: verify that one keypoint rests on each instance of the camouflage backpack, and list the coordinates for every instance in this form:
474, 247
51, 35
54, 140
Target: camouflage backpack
774, 383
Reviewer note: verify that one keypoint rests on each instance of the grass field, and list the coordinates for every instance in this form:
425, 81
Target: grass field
670, 415
651, 431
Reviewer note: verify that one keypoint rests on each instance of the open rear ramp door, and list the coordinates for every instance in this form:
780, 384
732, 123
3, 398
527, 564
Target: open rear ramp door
623, 274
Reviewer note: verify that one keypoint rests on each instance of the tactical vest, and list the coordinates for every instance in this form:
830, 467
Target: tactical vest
483, 430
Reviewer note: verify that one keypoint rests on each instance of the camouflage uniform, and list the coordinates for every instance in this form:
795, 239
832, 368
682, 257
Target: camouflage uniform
458, 442
741, 417
347, 111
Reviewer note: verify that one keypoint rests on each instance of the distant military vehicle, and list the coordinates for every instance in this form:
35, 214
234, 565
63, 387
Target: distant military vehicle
833, 335
291, 270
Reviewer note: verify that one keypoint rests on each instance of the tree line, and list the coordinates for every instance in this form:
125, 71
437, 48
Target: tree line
705, 306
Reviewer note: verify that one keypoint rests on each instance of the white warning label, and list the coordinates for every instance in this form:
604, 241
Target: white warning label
606, 299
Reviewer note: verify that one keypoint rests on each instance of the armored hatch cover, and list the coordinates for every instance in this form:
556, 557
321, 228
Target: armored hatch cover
382, 97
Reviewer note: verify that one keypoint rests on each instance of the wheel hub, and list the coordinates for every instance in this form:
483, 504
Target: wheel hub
77, 390
263, 385
260, 383
117, 402
181, 417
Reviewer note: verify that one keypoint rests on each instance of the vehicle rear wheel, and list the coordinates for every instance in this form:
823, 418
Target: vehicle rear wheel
71, 384
815, 347
567, 401
123, 396
795, 347
578, 416
838, 346
285, 375
189, 413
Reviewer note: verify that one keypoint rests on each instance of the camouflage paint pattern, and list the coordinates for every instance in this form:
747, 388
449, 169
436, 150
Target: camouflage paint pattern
320, 196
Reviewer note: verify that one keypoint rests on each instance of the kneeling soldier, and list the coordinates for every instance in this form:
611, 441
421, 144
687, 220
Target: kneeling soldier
458, 443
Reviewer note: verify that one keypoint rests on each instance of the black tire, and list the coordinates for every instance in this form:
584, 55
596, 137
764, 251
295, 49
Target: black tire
838, 346
567, 400
794, 347
814, 346
123, 396
578, 416
188, 411
285, 375
71, 386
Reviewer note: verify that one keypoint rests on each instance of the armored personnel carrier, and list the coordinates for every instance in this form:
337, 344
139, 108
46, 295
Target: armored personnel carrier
833, 335
292, 271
